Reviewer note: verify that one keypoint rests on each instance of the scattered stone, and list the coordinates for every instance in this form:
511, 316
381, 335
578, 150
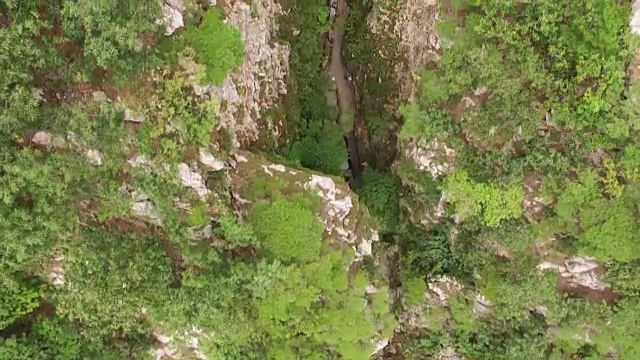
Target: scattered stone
94, 156
435, 157
277, 167
208, 160
449, 353
42, 138
163, 339
146, 210
481, 305
533, 204
138, 161
380, 345
442, 287
193, 180
131, 117
200, 234
578, 277
99, 96
56, 273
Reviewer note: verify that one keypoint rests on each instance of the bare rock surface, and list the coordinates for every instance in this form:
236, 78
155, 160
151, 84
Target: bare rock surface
435, 158
635, 17
418, 40
171, 16
580, 277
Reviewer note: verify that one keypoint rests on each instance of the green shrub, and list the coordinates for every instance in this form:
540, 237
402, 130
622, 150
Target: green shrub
317, 302
322, 150
218, 46
380, 192
287, 229
473, 199
427, 253
16, 300
414, 289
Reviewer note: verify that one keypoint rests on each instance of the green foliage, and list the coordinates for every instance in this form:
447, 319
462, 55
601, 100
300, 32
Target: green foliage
380, 192
16, 300
427, 253
316, 302
220, 53
173, 105
414, 289
322, 149
473, 199
287, 229
52, 339
604, 227
522, 90
157, 278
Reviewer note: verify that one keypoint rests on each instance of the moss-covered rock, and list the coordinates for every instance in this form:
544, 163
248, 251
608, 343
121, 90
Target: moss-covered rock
254, 179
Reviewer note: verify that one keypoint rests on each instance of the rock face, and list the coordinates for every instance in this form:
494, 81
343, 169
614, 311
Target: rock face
171, 16
346, 221
434, 158
578, 277
410, 24
47, 141
185, 345
533, 204
418, 40
251, 90
635, 17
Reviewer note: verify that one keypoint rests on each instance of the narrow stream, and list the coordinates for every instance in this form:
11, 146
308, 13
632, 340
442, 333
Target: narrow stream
345, 87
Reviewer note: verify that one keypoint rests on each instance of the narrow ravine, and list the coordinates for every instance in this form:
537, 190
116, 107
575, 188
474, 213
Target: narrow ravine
345, 89
348, 107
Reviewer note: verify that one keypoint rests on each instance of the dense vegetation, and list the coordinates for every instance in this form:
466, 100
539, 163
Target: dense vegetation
104, 253
526, 92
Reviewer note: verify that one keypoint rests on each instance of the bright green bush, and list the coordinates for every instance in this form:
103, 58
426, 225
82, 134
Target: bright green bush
605, 228
287, 229
473, 199
218, 46
322, 150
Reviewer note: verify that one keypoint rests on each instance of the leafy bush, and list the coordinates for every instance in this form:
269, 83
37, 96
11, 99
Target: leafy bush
322, 150
473, 199
604, 227
220, 53
16, 300
427, 253
287, 229
317, 141
317, 302
381, 193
